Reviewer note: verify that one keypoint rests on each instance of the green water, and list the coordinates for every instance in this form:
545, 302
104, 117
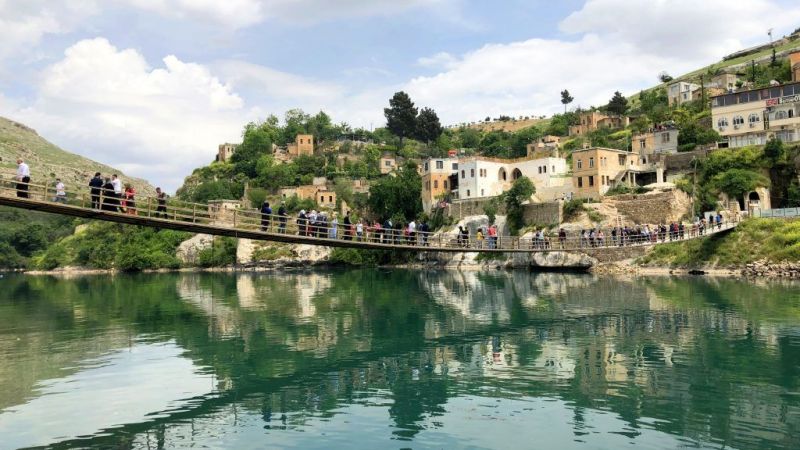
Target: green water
398, 359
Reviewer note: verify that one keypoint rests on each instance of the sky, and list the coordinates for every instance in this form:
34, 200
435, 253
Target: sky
153, 86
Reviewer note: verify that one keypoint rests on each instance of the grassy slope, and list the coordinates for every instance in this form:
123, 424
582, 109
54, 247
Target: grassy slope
48, 161
774, 240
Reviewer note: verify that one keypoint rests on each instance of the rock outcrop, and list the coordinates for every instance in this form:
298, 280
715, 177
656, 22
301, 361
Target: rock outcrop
189, 250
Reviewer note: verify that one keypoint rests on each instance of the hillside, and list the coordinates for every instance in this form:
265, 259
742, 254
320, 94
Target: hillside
511, 126
48, 161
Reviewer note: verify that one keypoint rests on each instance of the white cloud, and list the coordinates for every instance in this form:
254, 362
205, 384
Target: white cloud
690, 29
157, 123
441, 60
276, 84
244, 13
24, 23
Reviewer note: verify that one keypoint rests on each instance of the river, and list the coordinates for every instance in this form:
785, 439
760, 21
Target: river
398, 359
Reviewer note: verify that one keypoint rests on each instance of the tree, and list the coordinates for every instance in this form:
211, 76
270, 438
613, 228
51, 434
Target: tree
428, 128
737, 182
774, 149
566, 99
401, 116
664, 77
618, 104
397, 195
256, 141
520, 192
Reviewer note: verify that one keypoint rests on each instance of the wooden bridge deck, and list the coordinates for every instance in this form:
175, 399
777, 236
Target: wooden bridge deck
241, 223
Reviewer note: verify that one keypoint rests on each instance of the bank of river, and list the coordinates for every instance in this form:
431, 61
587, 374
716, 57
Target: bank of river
391, 358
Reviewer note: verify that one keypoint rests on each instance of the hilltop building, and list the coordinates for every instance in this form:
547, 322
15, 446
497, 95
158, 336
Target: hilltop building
592, 120
794, 62
303, 145
681, 92
324, 197
546, 146
388, 164
661, 140
725, 81
225, 151
754, 116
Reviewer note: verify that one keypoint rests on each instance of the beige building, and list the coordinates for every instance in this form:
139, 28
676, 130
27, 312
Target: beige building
592, 120
754, 116
724, 81
596, 170
681, 92
388, 164
546, 146
655, 142
436, 182
303, 145
794, 62
225, 151
324, 197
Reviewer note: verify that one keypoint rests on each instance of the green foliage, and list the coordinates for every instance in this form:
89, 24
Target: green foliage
107, 246
566, 99
221, 253
573, 208
397, 195
774, 150
25, 233
774, 240
692, 134
295, 204
490, 209
737, 182
217, 190
272, 252
256, 196
520, 191
622, 189
428, 128
401, 115
618, 105
560, 123
256, 141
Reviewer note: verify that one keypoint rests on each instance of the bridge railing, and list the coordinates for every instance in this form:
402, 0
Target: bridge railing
176, 210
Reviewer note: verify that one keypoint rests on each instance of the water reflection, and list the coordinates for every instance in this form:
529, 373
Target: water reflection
442, 359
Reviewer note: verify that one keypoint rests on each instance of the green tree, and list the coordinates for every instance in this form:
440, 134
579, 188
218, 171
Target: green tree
737, 182
256, 141
774, 150
520, 192
398, 195
519, 141
566, 99
428, 128
618, 105
401, 116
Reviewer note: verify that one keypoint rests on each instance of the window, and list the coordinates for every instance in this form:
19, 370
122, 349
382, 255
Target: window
544, 169
387, 163
753, 118
426, 166
554, 169
791, 113
580, 164
780, 115
642, 143
722, 123
436, 184
440, 164
481, 192
455, 166
472, 173
467, 192
591, 181
463, 175
580, 182
540, 169
444, 184
621, 160
591, 162
427, 185
330, 199
664, 138
738, 120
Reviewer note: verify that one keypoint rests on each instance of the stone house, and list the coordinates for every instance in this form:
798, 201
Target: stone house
303, 145
593, 120
225, 151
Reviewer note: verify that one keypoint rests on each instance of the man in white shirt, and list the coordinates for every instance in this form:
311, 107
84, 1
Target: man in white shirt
117, 185
23, 178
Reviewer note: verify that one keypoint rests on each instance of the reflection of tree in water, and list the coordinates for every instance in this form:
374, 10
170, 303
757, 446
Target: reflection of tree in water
695, 355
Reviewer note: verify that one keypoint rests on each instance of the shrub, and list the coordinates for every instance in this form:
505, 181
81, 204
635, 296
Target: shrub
221, 253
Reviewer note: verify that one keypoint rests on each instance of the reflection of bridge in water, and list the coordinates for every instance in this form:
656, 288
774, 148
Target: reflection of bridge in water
589, 340
215, 219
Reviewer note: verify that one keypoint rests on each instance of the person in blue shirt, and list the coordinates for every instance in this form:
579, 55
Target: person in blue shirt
266, 216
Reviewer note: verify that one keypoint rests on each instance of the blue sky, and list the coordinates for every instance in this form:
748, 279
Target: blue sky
152, 86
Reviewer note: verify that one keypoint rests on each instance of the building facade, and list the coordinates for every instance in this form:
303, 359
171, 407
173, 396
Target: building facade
388, 164
754, 116
225, 151
592, 120
794, 62
303, 145
680, 92
655, 142
436, 183
596, 170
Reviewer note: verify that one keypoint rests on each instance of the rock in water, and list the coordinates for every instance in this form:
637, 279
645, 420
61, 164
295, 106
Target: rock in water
189, 250
562, 260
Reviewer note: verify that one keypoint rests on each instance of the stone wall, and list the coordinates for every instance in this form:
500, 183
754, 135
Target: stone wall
653, 208
538, 213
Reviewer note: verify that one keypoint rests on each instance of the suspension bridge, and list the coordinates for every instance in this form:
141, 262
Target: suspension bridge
219, 219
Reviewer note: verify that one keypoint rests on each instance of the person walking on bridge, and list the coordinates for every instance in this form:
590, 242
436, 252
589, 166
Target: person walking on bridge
23, 178
282, 217
130, 199
95, 185
110, 201
61, 192
266, 216
161, 199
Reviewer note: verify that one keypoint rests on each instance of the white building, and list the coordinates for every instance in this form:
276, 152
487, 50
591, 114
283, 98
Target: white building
480, 177
680, 92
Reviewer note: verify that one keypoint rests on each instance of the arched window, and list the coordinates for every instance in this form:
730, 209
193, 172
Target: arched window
753, 118
780, 115
791, 113
738, 120
722, 122
502, 175
516, 174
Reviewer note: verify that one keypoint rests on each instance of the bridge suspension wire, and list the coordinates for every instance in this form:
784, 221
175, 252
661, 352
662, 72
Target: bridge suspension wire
214, 219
